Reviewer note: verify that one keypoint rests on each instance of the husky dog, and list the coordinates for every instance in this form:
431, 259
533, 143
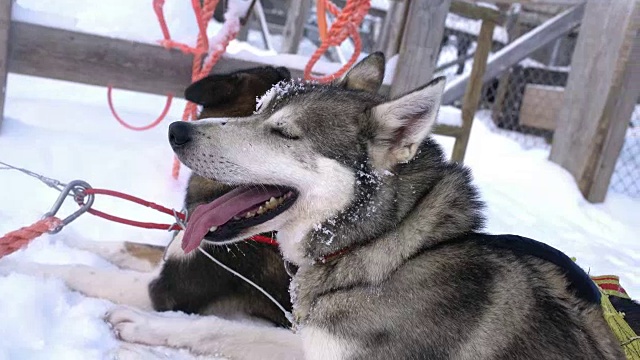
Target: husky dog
384, 232
192, 284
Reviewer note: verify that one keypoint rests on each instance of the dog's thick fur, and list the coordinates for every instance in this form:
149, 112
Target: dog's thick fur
386, 234
418, 279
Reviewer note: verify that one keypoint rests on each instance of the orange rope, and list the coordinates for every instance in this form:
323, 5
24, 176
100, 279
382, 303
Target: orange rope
153, 124
346, 25
16, 240
203, 60
201, 66
321, 12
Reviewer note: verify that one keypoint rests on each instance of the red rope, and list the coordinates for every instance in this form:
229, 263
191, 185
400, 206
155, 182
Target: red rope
346, 25
321, 12
17, 239
153, 124
148, 225
145, 225
201, 65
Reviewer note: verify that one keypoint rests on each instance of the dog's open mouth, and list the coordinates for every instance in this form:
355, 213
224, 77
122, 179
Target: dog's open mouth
234, 211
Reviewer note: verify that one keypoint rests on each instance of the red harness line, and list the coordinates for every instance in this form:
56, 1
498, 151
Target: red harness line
180, 216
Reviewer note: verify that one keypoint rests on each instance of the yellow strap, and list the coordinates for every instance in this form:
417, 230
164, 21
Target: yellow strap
629, 340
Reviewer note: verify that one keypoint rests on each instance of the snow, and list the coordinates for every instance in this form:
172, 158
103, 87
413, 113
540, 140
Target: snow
380, 4
450, 116
237, 8
470, 26
65, 326
531, 63
125, 19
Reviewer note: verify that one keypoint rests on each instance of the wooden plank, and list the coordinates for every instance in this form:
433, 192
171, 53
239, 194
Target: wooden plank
540, 106
447, 130
603, 88
389, 39
95, 60
474, 90
294, 26
420, 44
519, 49
476, 12
258, 11
5, 25
89, 59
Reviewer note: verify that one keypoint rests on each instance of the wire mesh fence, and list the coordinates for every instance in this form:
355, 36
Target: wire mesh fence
626, 175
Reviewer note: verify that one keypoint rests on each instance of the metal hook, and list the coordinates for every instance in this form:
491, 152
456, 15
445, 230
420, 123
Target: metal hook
76, 187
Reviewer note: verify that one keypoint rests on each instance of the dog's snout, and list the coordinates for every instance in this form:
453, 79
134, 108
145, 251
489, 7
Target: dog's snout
179, 134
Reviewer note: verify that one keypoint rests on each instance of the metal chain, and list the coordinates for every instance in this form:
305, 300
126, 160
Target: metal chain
52, 183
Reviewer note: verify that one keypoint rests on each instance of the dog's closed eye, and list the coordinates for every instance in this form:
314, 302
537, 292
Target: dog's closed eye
284, 133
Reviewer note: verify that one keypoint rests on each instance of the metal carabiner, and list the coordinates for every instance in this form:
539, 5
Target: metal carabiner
76, 187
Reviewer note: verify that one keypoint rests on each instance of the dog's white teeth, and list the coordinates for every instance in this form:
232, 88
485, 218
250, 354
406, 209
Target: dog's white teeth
261, 210
250, 214
236, 218
213, 228
272, 203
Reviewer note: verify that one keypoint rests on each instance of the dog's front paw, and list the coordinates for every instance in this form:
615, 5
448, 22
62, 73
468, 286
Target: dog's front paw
138, 327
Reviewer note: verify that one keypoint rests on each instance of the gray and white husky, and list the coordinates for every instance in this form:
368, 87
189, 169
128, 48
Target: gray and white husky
384, 232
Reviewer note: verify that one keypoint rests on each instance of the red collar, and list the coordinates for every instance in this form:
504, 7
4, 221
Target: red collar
322, 259
264, 239
326, 258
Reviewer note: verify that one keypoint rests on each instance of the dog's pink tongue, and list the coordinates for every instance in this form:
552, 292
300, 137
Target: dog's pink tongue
221, 210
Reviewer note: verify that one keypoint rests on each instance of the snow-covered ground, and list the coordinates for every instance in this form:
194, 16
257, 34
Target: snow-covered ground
66, 131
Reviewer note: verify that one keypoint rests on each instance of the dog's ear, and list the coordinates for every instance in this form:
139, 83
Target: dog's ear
214, 89
283, 72
367, 75
402, 124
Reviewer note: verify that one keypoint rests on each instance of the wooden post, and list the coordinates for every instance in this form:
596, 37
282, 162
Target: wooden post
258, 11
294, 25
423, 33
603, 88
389, 40
474, 90
5, 25
243, 34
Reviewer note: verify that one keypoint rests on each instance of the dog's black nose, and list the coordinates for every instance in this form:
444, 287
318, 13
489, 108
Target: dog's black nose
179, 134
